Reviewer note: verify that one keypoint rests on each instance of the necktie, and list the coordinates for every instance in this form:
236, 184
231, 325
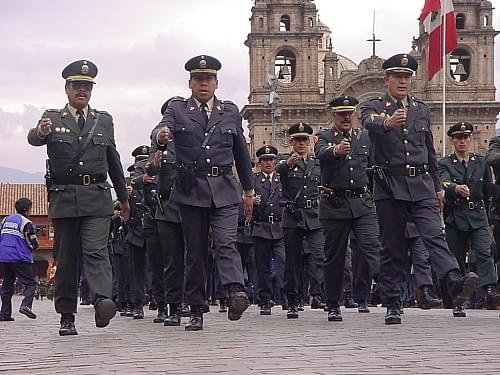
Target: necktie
81, 119
268, 182
400, 105
204, 112
464, 163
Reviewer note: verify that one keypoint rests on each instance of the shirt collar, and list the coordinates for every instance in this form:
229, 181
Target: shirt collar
460, 159
270, 175
404, 101
73, 110
210, 104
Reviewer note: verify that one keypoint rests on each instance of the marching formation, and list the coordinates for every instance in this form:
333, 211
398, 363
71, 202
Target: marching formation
352, 215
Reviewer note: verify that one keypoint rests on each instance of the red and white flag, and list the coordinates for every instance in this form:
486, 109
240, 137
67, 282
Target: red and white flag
432, 17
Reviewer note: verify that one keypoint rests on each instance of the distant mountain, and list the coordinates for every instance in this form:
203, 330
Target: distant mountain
10, 175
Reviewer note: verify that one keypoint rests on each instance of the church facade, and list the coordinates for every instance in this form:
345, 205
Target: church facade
291, 56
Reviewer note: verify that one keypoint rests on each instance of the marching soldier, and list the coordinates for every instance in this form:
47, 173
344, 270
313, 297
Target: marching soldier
466, 179
161, 163
266, 231
208, 139
406, 184
346, 203
82, 151
300, 179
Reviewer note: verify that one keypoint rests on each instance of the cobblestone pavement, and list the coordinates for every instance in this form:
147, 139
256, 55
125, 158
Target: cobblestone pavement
427, 342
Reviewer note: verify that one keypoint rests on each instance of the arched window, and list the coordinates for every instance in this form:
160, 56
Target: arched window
261, 22
285, 23
285, 66
486, 21
460, 21
311, 22
460, 64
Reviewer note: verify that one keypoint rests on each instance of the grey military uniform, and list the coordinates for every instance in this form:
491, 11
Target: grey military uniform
408, 157
466, 219
80, 200
346, 205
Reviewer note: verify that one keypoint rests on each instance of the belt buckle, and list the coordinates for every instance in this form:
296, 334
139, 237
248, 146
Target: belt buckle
215, 171
412, 172
247, 223
471, 205
86, 179
270, 219
348, 194
308, 203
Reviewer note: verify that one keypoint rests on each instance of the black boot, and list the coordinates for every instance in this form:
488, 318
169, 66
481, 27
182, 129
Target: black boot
105, 310
162, 314
185, 311
491, 297
293, 311
349, 302
195, 320
284, 303
174, 315
222, 305
316, 303
461, 287
334, 314
393, 315
238, 302
363, 307
427, 301
130, 311
67, 325
459, 311
138, 312
265, 308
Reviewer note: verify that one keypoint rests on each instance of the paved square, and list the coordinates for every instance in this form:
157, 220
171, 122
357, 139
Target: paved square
427, 342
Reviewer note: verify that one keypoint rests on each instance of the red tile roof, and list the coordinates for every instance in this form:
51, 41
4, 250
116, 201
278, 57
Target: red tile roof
9, 193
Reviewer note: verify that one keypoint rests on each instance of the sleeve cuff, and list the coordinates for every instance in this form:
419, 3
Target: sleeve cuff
249, 193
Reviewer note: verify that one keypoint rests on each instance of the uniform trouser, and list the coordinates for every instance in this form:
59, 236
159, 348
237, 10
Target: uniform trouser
419, 255
24, 273
294, 238
121, 275
336, 240
156, 260
84, 285
172, 243
362, 278
265, 250
393, 216
480, 245
92, 232
195, 223
137, 262
243, 250
348, 271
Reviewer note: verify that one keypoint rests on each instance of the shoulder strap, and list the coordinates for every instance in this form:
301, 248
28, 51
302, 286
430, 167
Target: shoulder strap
85, 144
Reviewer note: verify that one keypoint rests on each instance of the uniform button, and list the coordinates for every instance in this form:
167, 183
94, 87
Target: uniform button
352, 181
81, 163
80, 138
208, 160
351, 169
206, 134
405, 130
405, 141
270, 205
305, 186
229, 131
407, 166
60, 141
349, 157
183, 129
165, 152
407, 154
207, 147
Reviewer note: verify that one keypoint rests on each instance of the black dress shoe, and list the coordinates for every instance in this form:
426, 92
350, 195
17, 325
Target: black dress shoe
293, 312
195, 321
67, 325
174, 316
85, 302
25, 310
138, 313
334, 314
459, 312
492, 300
461, 288
427, 300
160, 318
317, 304
265, 308
238, 304
205, 308
130, 312
153, 305
222, 305
105, 310
185, 311
300, 307
349, 302
393, 315
363, 307
125, 310
6, 318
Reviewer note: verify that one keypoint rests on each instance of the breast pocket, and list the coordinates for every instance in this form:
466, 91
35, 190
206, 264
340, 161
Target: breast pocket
183, 136
62, 146
98, 150
422, 133
227, 135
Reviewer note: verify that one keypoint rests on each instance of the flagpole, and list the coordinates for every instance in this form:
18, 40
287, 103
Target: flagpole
445, 67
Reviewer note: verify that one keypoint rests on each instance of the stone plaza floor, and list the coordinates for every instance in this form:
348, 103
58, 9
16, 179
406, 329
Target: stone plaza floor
427, 342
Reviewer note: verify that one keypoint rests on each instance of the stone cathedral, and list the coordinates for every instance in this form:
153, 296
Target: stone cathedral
288, 41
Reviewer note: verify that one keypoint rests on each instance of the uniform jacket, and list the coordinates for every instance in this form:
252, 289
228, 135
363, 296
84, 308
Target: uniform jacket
117, 233
410, 145
100, 158
226, 146
493, 159
135, 234
463, 213
344, 172
17, 239
267, 215
303, 177
243, 233
167, 175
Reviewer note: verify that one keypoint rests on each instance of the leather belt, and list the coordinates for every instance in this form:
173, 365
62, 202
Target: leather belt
407, 170
83, 179
214, 171
271, 219
306, 203
470, 205
350, 193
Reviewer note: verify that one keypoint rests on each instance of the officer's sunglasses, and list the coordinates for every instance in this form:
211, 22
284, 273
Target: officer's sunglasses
81, 85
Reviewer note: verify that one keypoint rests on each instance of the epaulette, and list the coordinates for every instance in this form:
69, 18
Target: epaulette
375, 98
102, 112
229, 104
53, 110
178, 99
417, 100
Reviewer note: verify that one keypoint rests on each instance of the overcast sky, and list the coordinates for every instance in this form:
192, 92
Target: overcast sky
140, 49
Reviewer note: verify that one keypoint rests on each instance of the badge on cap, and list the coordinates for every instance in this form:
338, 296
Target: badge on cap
462, 127
144, 150
85, 69
346, 102
203, 64
404, 61
267, 150
301, 127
